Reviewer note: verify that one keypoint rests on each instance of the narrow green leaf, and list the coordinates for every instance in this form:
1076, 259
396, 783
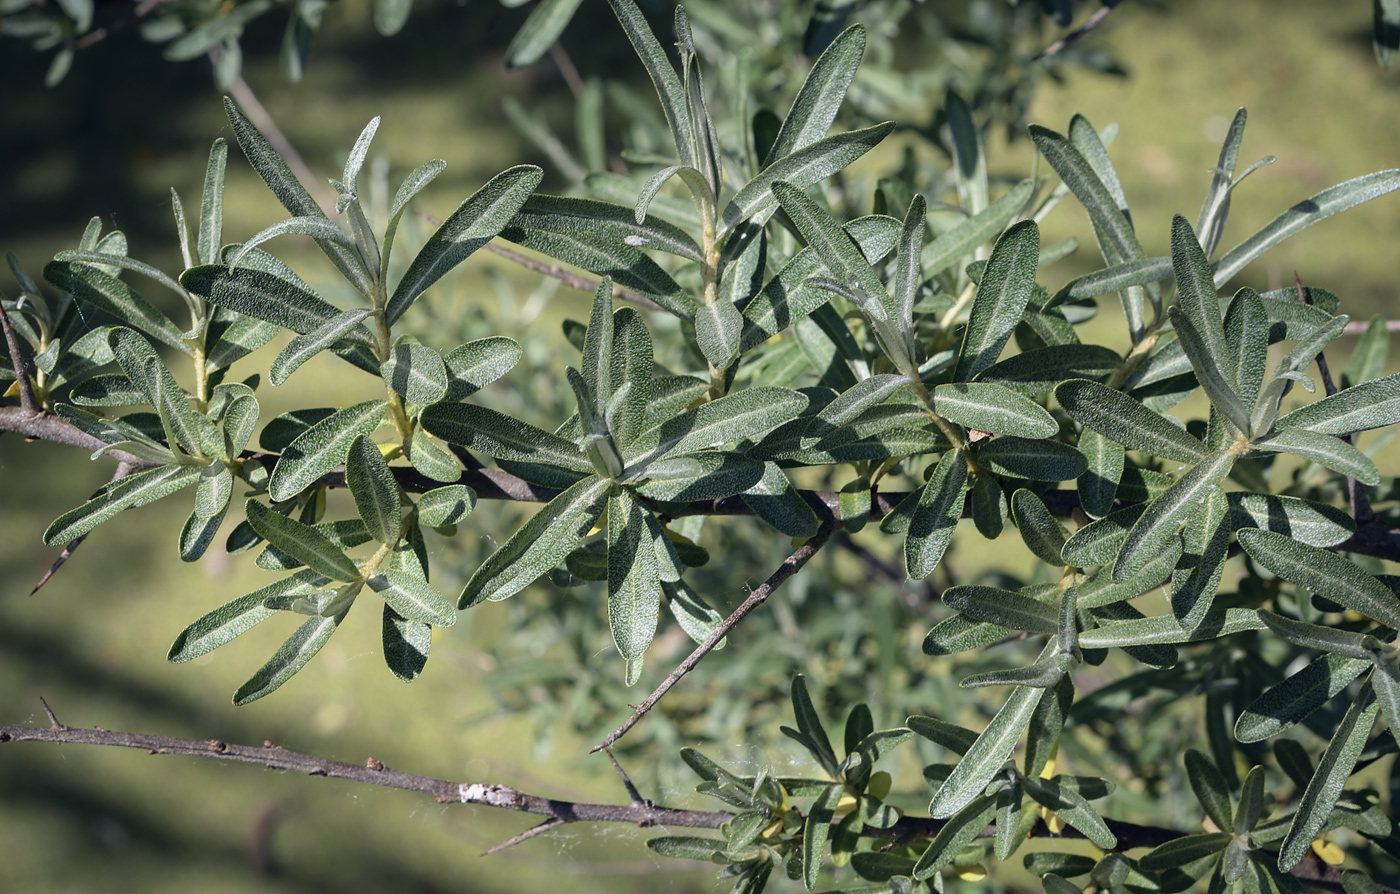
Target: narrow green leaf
800, 169
1373, 404
1372, 352
969, 158
1114, 278
993, 408
265, 296
936, 518
1102, 590
814, 832
406, 644
302, 542
1327, 783
1042, 534
1326, 450
1168, 512
1206, 546
539, 545
741, 414
591, 219
304, 347
445, 505
427, 457
1004, 608
476, 364
672, 93
717, 330
700, 476
1180, 851
546, 22
1213, 371
107, 293
1099, 542
1211, 789
809, 725
1039, 370
322, 447
959, 243
1305, 521
413, 598
378, 497
211, 206
1323, 639
821, 95
215, 487
411, 186
1296, 697
1196, 296
1120, 418
133, 490
1084, 182
1002, 296
955, 738
989, 509
986, 756
238, 616
317, 226
1304, 214
496, 434
1322, 572
692, 613
1099, 483
634, 585
475, 222
291, 657
1164, 630
1072, 807
778, 503
1030, 458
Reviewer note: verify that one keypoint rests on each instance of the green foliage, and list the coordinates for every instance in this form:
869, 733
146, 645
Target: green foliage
779, 339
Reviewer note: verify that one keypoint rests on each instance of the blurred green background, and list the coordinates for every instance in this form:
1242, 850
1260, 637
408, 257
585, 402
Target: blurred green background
125, 126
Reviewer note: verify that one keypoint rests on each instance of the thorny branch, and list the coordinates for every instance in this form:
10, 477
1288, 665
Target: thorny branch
640, 812
27, 402
791, 565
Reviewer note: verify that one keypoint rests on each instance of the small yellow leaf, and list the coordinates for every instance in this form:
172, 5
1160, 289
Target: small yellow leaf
798, 541
13, 390
971, 873
880, 785
847, 803
1328, 851
1049, 770
773, 829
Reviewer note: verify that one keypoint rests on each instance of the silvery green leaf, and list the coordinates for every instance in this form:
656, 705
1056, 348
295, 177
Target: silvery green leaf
1323, 639
317, 226
411, 186
499, 435
1206, 546
104, 291
406, 644
786, 298
1042, 674
669, 88
1197, 301
285, 186
935, 518
1002, 296
1114, 278
717, 330
116, 433
1080, 176
1102, 590
1099, 483
542, 543
850, 272
1327, 783
445, 505
1216, 208
302, 542
1213, 372
133, 490
427, 457
1368, 360
1120, 418
304, 347
634, 585
291, 657
255, 293
1189, 849
1164, 630
1042, 534
1252, 802
1039, 370
1304, 214
815, 829
963, 826
476, 364
198, 533
1247, 335
416, 372
1168, 512
1315, 524
1003, 608
107, 390
1072, 807
695, 617
1322, 572
232, 336
821, 95
215, 487
1296, 697
741, 414
322, 447
955, 738
969, 157
1373, 404
1031, 458
962, 240
546, 22
625, 265
475, 222
238, 616
413, 598
989, 509
1290, 369
378, 497
700, 476
993, 408
800, 169
1211, 789
809, 727
122, 262
211, 206
851, 405
987, 754
604, 221
778, 503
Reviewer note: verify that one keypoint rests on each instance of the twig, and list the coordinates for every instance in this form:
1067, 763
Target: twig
123, 470
1356, 494
53, 721
632, 792
557, 813
27, 402
791, 565
141, 10
248, 101
568, 277
529, 833
566, 68
1089, 25
1359, 326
